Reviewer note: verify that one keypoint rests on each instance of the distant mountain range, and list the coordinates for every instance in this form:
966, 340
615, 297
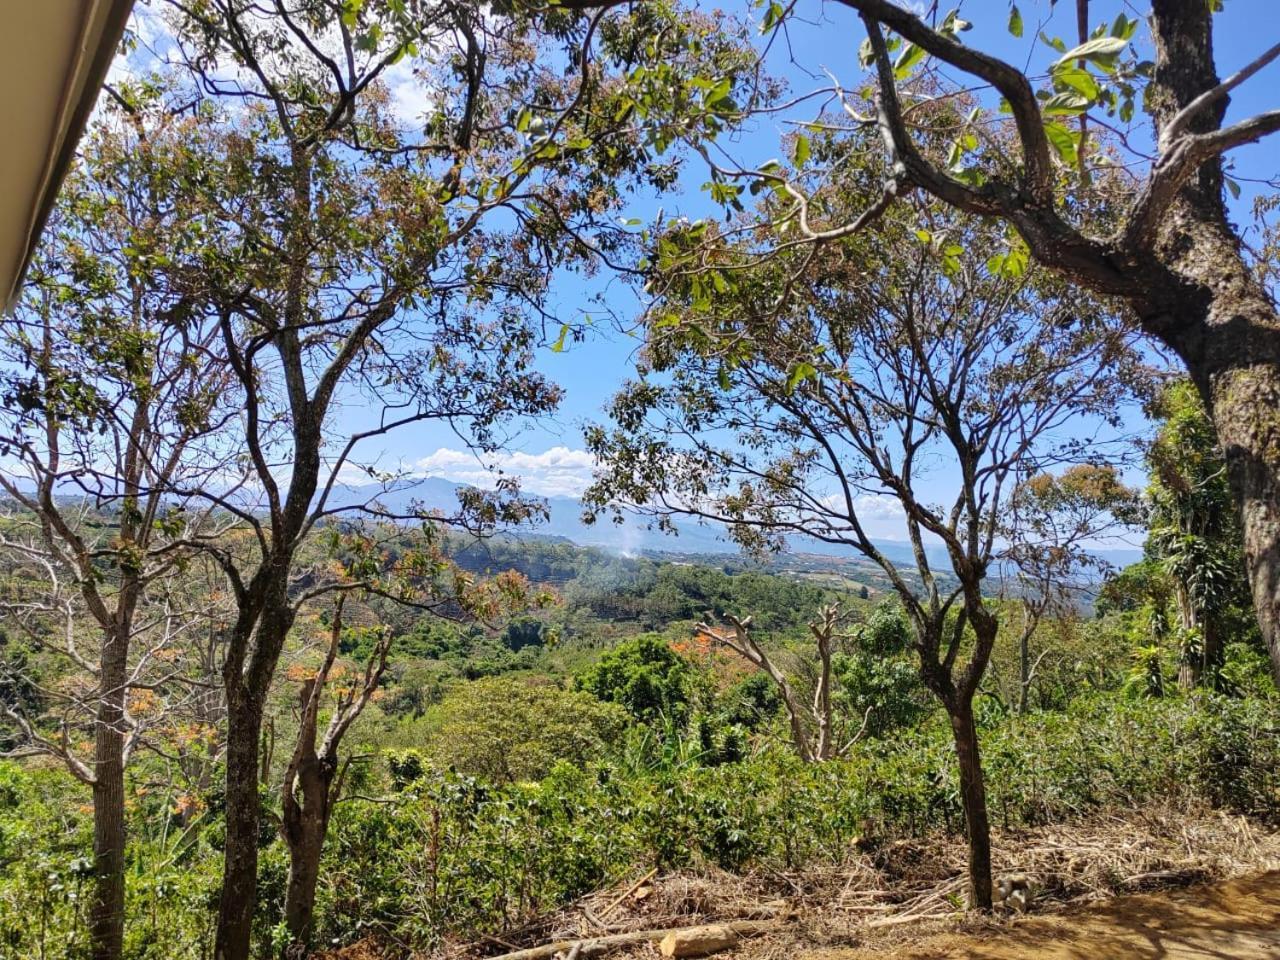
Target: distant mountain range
634, 535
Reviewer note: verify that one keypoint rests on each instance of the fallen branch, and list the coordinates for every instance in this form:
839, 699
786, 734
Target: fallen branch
595, 946
604, 914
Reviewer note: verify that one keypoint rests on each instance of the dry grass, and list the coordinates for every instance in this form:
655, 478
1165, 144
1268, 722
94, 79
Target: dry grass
902, 890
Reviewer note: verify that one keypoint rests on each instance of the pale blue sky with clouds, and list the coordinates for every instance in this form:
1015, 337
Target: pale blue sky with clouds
549, 455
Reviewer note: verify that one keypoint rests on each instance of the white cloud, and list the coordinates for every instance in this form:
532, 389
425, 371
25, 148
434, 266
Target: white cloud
880, 514
879, 506
558, 472
412, 97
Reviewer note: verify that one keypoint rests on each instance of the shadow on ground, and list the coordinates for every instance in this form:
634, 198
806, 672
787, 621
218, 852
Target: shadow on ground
1236, 920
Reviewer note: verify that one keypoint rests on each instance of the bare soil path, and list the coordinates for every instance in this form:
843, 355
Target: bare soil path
1233, 920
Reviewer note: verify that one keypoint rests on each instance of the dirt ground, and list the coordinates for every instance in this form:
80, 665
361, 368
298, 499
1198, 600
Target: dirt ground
1234, 920
1131, 885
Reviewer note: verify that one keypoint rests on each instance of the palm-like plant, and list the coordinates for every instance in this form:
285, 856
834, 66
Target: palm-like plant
1194, 532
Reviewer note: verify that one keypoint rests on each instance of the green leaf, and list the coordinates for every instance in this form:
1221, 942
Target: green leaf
350, 11
1065, 105
799, 373
718, 92
1081, 81
1063, 142
1232, 187
1011, 265
1054, 42
772, 17
1101, 50
1015, 21
800, 152
866, 53
910, 56
558, 346
1124, 28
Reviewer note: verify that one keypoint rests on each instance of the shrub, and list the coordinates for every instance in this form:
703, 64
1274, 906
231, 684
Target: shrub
643, 675
504, 729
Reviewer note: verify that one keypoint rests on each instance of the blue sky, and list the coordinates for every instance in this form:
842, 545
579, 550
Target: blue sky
549, 455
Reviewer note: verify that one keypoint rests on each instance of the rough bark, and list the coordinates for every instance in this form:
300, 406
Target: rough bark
1215, 315
246, 701
106, 911
1226, 331
305, 828
1245, 403
240, 863
256, 640
305, 822
956, 693
973, 795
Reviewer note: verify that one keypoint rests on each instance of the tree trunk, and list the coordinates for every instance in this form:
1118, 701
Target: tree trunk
305, 826
973, 795
240, 865
1188, 661
1211, 660
1246, 411
1214, 313
300, 893
1024, 671
1232, 351
106, 911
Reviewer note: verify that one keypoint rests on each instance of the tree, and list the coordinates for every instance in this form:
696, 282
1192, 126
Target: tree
1055, 517
365, 272
1193, 531
877, 678
356, 261
111, 404
815, 732
1168, 250
314, 777
789, 398
378, 561
645, 676
508, 729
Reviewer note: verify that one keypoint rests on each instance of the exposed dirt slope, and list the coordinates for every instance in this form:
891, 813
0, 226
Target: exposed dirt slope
1235, 920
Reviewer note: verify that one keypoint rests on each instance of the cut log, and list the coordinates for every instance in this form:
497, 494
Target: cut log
698, 941
594, 946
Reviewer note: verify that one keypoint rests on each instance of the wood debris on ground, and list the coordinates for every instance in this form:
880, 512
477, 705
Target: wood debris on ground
886, 892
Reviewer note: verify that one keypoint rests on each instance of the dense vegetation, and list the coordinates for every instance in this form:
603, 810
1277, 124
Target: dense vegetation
421, 850
504, 770
256, 698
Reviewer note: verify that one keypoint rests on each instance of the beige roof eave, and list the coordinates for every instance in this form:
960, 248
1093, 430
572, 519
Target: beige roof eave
54, 56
